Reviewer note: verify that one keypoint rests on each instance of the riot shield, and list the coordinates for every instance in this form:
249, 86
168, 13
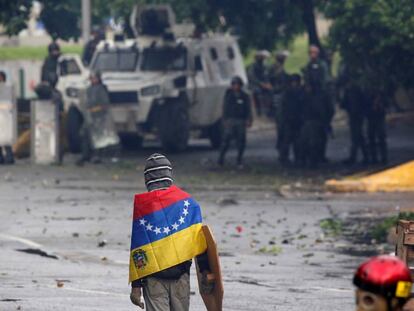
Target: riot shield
44, 132
100, 124
8, 116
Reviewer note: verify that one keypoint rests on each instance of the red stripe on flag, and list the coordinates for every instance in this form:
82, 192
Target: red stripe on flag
150, 202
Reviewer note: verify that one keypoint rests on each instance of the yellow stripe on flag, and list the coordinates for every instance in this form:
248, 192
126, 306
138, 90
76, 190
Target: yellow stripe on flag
166, 253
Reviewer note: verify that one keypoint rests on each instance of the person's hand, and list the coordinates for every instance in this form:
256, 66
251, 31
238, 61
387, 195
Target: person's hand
136, 297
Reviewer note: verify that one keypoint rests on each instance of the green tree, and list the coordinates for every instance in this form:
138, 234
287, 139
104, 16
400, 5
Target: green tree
14, 15
61, 18
376, 39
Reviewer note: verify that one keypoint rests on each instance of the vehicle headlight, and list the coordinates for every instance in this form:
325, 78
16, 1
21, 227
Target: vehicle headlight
151, 90
72, 92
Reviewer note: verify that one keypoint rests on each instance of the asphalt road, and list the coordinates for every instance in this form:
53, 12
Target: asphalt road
279, 259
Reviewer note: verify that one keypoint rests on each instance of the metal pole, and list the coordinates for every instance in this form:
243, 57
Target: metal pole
86, 20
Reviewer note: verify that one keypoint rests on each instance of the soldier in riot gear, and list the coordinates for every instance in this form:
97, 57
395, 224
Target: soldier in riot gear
97, 100
317, 81
6, 152
291, 118
377, 127
279, 80
49, 68
354, 102
258, 81
237, 116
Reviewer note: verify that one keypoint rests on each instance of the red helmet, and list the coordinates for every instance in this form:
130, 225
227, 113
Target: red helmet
387, 276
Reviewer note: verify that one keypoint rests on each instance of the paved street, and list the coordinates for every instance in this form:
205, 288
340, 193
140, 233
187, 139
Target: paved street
274, 253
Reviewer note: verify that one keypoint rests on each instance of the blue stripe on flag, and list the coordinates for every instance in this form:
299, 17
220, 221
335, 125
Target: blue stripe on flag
165, 222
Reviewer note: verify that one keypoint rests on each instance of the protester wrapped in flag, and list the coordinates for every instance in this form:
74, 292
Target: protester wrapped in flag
166, 231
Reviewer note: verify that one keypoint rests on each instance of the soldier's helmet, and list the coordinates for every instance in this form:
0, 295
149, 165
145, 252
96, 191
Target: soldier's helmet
386, 276
53, 47
237, 80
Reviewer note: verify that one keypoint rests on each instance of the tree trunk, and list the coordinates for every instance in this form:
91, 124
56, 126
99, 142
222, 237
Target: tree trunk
309, 19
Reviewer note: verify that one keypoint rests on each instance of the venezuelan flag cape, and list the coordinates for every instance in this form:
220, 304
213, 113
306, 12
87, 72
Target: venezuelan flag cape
166, 231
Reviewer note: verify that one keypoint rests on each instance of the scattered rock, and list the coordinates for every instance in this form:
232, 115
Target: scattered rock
227, 201
102, 243
75, 235
308, 255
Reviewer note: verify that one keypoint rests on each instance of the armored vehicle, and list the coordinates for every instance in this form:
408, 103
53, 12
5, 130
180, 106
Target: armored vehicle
168, 83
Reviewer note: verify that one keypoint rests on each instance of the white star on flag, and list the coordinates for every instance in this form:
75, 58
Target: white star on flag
175, 226
185, 212
142, 222
149, 227
166, 230
157, 230
181, 220
186, 203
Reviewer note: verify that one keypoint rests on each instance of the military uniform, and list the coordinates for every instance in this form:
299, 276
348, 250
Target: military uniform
313, 134
236, 116
49, 70
97, 97
89, 50
257, 76
290, 121
318, 81
377, 135
355, 104
279, 80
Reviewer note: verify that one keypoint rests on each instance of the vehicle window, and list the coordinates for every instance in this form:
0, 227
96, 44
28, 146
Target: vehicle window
230, 52
121, 60
213, 53
226, 69
69, 67
164, 58
198, 64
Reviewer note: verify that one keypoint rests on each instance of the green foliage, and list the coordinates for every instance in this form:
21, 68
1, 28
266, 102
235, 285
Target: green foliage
380, 232
33, 52
375, 38
61, 18
14, 15
331, 227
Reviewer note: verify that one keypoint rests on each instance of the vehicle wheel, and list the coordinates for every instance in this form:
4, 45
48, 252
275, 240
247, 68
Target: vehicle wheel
215, 133
174, 126
130, 142
74, 122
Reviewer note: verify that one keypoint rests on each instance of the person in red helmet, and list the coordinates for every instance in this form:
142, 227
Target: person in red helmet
383, 284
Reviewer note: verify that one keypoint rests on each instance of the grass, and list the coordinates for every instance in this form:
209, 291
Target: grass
33, 52
331, 227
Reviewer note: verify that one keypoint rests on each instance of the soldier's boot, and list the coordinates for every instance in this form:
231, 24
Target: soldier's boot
9, 157
1, 156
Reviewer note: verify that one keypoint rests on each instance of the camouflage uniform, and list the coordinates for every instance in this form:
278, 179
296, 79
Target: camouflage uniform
354, 103
290, 121
279, 80
377, 135
96, 96
313, 135
318, 81
236, 115
257, 76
